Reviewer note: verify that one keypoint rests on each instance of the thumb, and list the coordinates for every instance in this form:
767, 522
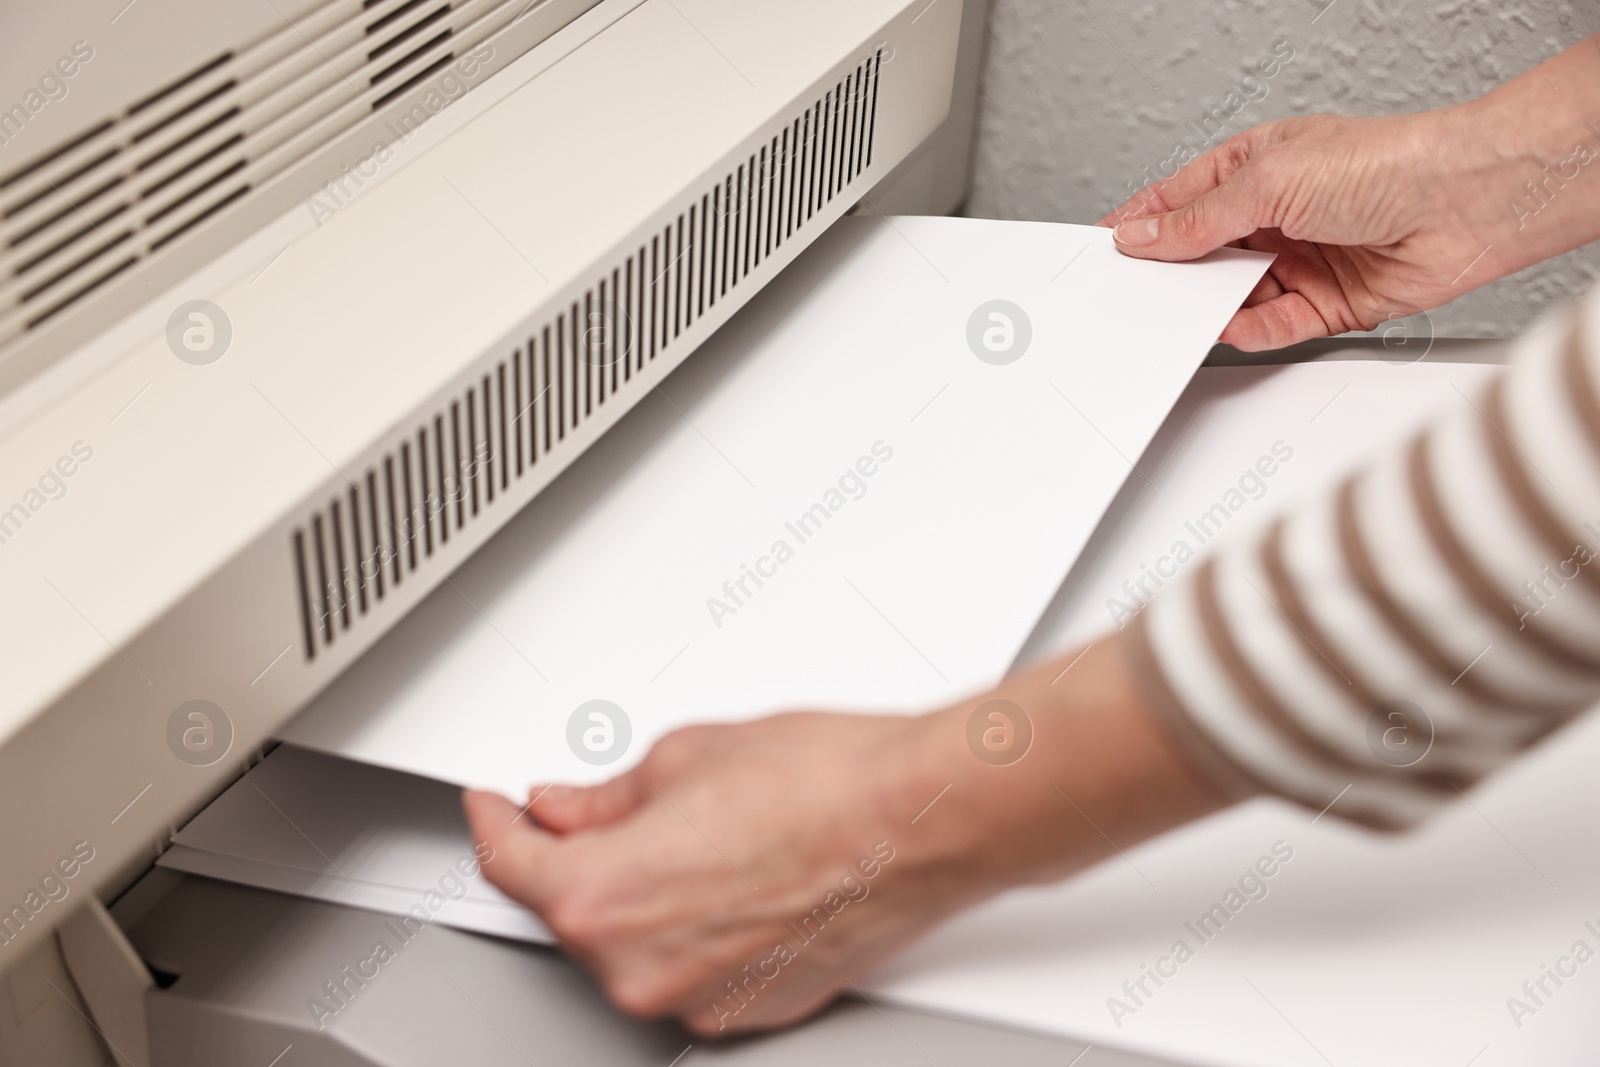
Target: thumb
1220, 216
566, 809
516, 857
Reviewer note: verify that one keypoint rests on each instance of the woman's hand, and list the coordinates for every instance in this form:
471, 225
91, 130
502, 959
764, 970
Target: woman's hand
742, 875
1376, 219
1358, 211
677, 882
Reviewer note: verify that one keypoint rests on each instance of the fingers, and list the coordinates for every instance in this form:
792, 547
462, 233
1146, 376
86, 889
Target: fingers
1233, 210
1169, 194
1266, 289
1146, 201
1282, 320
566, 809
1195, 179
517, 857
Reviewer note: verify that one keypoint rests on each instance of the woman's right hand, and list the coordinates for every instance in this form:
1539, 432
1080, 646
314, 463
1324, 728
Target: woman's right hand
1376, 219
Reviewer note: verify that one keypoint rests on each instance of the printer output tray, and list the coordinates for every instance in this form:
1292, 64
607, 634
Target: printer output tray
241, 973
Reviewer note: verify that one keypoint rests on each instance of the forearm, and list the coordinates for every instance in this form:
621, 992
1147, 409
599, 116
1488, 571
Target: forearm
1102, 773
1529, 160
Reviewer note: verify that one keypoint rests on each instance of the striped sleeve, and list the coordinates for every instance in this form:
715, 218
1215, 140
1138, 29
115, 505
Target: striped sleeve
1392, 641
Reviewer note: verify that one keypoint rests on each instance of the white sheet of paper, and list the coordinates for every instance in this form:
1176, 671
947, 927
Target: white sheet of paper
912, 584
326, 828
1368, 949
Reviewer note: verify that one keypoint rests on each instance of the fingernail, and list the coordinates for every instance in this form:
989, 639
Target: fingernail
1137, 232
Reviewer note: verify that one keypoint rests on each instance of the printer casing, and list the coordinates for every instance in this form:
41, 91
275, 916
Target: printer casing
436, 249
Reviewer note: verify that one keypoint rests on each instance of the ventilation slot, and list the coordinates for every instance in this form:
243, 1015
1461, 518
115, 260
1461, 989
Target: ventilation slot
167, 163
463, 461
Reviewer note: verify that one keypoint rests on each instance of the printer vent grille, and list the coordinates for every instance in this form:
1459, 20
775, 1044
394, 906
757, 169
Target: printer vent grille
76, 217
468, 458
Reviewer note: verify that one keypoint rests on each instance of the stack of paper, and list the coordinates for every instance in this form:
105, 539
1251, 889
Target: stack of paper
331, 829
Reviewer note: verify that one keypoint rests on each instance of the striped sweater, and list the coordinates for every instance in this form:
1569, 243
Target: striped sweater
1405, 633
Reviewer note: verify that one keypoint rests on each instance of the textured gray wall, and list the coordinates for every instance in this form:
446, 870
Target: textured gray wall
1079, 96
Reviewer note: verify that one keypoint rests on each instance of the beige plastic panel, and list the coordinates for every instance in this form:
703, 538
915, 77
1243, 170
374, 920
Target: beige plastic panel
165, 175
935, 179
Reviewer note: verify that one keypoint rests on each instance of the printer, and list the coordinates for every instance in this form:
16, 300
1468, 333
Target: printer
303, 300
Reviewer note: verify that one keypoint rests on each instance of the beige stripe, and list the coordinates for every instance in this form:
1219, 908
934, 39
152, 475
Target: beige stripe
1551, 530
1319, 646
1236, 780
1358, 559
1472, 577
1579, 382
1272, 711
1196, 745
